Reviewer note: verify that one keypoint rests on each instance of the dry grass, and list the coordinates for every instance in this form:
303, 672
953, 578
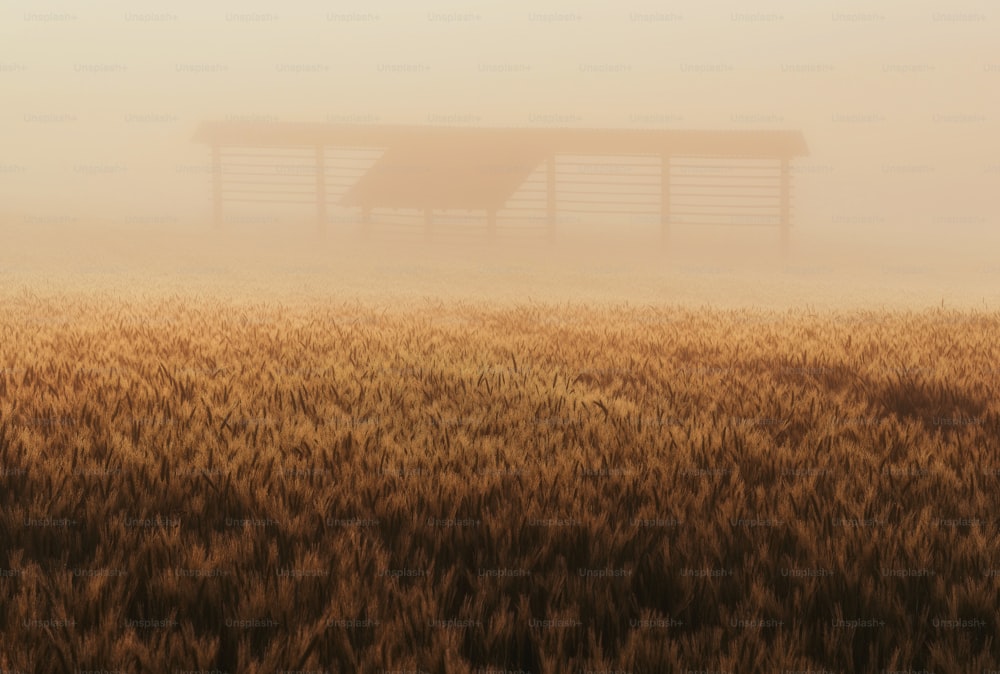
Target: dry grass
720, 467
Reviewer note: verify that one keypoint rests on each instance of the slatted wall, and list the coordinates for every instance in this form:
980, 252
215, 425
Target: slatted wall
298, 181
659, 191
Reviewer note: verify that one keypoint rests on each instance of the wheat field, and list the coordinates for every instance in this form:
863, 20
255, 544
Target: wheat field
190, 484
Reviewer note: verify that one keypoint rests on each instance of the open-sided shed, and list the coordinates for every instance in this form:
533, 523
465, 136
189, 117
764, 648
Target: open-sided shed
666, 176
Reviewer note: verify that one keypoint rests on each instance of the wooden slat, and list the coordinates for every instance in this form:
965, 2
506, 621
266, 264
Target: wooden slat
269, 201
307, 193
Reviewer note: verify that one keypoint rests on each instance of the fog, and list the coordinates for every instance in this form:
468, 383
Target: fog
103, 184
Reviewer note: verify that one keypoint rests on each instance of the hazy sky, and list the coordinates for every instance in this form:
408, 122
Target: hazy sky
899, 100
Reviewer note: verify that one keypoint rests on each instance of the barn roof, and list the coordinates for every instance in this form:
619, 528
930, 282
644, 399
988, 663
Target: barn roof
727, 142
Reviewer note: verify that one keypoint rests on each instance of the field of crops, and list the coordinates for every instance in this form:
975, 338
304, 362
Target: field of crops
193, 484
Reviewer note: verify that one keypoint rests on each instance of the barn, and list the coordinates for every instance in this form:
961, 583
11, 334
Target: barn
504, 178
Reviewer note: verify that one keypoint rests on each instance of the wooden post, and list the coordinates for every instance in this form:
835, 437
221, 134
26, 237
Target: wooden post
428, 224
664, 200
786, 208
550, 182
321, 189
217, 185
491, 224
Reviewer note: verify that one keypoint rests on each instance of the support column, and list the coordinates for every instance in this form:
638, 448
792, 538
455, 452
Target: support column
786, 206
664, 200
217, 186
550, 183
321, 189
428, 224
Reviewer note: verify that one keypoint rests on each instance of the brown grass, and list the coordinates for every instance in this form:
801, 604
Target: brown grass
348, 438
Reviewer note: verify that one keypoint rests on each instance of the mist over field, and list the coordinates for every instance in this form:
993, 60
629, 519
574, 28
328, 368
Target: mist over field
735, 269
422, 337
896, 103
